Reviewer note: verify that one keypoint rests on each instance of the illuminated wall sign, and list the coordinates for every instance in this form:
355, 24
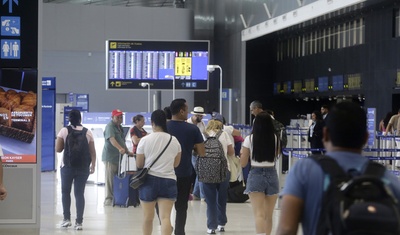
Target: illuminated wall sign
129, 63
18, 79
19, 34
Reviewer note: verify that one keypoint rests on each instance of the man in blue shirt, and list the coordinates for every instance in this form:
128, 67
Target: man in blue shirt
190, 138
344, 136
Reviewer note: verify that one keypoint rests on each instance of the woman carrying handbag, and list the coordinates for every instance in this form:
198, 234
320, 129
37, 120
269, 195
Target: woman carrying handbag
159, 187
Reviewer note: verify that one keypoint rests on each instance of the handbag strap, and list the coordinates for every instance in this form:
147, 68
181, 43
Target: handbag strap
161, 152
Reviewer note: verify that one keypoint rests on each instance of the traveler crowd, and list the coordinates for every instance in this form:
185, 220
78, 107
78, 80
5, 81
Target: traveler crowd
182, 144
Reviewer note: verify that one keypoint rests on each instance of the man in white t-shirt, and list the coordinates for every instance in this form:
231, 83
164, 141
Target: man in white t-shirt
197, 118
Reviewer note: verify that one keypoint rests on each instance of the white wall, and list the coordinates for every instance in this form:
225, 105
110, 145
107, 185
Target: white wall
74, 48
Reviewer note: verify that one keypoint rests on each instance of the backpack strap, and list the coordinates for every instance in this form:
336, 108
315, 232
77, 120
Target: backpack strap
330, 166
374, 169
69, 128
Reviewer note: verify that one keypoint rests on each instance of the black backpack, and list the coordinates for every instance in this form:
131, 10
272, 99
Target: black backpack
213, 167
280, 132
357, 203
76, 149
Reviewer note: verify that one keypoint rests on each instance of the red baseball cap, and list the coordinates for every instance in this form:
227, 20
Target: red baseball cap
116, 112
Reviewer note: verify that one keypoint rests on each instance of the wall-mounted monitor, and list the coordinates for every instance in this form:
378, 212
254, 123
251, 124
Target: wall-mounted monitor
289, 87
354, 81
131, 62
297, 86
310, 85
323, 84
337, 83
276, 89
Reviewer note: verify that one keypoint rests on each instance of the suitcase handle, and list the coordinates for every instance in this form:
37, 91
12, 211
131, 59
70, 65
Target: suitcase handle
119, 175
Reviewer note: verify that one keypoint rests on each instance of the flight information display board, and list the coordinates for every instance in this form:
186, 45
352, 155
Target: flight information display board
276, 91
129, 63
310, 85
337, 82
288, 88
354, 81
323, 84
297, 86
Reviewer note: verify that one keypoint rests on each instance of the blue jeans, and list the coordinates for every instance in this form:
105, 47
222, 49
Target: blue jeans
198, 186
216, 196
78, 176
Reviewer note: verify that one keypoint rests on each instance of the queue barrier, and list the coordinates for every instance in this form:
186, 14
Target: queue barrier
380, 152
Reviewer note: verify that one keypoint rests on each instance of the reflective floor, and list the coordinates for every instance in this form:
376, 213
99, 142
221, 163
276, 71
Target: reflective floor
100, 220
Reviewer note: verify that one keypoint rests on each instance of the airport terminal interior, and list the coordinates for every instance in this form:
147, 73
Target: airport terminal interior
291, 55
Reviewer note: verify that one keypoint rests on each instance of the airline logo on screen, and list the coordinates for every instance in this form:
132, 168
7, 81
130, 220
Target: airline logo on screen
113, 45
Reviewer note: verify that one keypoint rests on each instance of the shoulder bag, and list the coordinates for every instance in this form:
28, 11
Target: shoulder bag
140, 177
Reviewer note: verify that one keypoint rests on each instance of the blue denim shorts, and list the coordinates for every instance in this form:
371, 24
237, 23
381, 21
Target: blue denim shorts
155, 187
263, 180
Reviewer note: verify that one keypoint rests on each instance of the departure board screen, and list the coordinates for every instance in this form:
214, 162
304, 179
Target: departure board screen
337, 83
297, 86
288, 89
354, 81
310, 85
323, 84
129, 63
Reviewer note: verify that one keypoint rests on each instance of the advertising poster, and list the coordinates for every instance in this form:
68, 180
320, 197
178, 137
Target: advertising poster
18, 105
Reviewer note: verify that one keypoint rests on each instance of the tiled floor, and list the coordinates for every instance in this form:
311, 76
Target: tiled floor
100, 220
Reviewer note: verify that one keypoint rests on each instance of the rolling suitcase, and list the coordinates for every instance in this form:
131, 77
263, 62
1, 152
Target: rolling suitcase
121, 190
124, 195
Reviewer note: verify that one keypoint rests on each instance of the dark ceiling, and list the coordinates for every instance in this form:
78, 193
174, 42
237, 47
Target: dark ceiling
127, 3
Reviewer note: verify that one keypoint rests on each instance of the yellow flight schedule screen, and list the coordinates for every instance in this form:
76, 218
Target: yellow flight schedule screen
183, 66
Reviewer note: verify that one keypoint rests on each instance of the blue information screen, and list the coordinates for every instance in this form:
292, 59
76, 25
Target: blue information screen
323, 84
337, 83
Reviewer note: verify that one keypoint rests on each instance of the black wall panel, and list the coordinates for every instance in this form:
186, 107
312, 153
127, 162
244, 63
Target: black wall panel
377, 60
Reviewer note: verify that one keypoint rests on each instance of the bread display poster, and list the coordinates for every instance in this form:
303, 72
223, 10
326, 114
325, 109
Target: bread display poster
18, 105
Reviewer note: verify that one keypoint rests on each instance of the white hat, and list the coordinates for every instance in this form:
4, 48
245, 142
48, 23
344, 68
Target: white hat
198, 111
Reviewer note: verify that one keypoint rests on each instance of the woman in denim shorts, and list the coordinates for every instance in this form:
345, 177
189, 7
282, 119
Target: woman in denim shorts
262, 183
160, 185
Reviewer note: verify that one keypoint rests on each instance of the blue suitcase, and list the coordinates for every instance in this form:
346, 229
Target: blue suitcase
124, 195
121, 190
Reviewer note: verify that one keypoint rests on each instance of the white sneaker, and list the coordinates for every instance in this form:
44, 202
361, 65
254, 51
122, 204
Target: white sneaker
66, 223
78, 226
210, 231
221, 228
108, 202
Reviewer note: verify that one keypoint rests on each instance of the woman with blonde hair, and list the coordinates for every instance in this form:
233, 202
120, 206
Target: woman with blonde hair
216, 194
262, 183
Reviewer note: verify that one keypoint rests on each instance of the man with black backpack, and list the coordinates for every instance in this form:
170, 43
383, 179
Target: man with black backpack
343, 193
